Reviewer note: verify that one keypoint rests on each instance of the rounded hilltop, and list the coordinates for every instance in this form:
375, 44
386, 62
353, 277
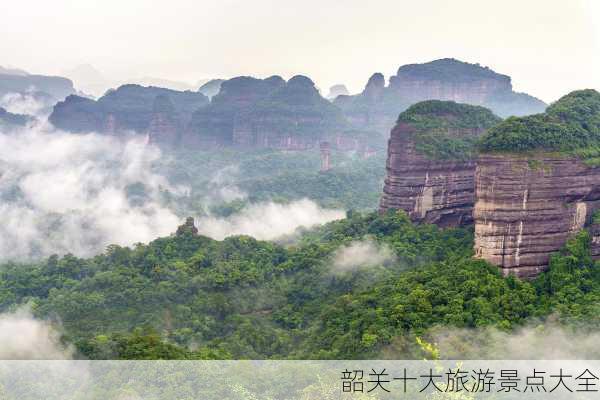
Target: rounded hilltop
570, 125
445, 129
450, 70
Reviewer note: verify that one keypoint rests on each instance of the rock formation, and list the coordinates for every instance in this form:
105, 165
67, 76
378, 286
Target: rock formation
188, 228
376, 108
214, 124
431, 162
537, 183
527, 207
272, 113
145, 110
23, 93
20, 82
165, 123
366, 111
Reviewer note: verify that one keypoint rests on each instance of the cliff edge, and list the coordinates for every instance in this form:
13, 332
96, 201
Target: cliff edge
431, 162
537, 182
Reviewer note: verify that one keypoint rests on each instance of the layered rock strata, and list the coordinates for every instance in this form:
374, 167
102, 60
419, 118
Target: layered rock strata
429, 186
527, 208
538, 183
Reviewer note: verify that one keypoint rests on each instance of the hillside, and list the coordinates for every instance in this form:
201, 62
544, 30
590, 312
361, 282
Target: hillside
244, 298
569, 124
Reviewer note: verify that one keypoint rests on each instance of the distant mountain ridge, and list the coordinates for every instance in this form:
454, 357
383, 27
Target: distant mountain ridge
161, 113
448, 79
55, 86
272, 112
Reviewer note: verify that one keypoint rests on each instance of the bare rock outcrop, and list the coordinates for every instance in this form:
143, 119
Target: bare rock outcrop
537, 183
430, 165
528, 206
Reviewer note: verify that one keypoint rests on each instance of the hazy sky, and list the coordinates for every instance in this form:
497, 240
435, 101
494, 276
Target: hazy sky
549, 47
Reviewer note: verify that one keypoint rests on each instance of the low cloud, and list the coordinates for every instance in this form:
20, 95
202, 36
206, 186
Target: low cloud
23, 337
24, 103
267, 221
549, 340
223, 188
61, 192
361, 254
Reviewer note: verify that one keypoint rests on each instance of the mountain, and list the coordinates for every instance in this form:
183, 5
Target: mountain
294, 116
377, 107
431, 161
266, 113
54, 88
130, 108
538, 183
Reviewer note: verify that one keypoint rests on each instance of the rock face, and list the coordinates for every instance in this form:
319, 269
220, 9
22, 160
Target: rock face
165, 123
377, 107
528, 207
272, 113
188, 228
161, 113
425, 179
537, 183
214, 124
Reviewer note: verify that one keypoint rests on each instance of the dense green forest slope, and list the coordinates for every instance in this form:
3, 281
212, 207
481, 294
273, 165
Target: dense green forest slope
188, 296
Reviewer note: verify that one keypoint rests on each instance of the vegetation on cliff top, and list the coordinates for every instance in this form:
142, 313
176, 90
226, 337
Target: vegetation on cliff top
450, 70
447, 130
570, 125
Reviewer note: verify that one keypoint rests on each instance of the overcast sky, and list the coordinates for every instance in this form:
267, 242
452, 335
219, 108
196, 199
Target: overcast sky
549, 47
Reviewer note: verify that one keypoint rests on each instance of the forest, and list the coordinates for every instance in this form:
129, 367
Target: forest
187, 296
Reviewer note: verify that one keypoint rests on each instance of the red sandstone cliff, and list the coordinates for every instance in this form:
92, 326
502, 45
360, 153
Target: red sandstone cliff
527, 207
425, 177
432, 191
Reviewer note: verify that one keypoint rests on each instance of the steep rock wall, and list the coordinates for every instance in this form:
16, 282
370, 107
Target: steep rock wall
432, 191
528, 206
